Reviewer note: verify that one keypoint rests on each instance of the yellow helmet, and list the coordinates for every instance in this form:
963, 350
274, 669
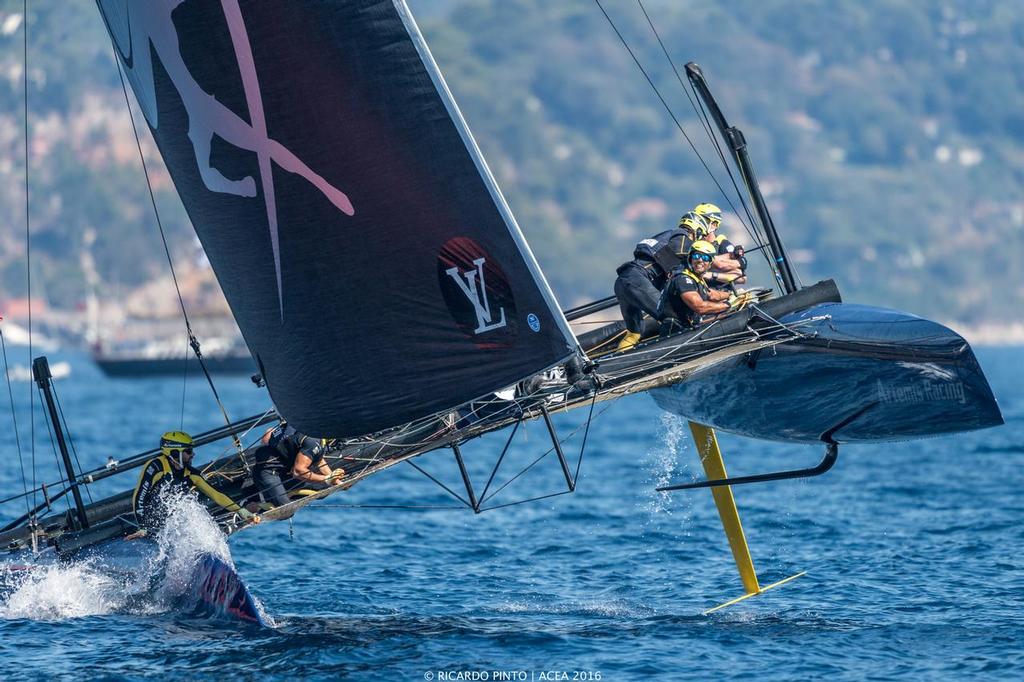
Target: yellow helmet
695, 224
706, 251
173, 443
711, 213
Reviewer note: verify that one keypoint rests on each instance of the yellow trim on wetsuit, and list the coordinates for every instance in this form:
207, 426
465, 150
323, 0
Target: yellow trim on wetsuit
195, 479
699, 281
165, 468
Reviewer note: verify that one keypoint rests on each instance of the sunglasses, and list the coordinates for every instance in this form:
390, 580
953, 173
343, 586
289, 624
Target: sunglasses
175, 453
701, 256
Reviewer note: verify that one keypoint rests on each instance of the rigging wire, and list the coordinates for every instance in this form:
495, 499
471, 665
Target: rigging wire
14, 419
702, 116
56, 457
67, 432
387, 506
28, 245
184, 386
752, 232
192, 340
664, 103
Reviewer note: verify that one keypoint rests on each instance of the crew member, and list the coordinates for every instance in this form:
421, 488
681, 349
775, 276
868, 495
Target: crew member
730, 265
171, 473
640, 281
288, 460
688, 299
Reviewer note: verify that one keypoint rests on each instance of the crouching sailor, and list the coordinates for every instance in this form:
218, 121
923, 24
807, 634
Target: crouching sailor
289, 460
640, 281
688, 299
171, 473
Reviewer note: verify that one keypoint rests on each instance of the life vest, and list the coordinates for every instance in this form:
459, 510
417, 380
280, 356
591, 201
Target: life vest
660, 251
672, 305
702, 286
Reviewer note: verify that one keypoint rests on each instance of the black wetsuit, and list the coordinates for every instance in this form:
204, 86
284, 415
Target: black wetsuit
725, 248
640, 281
672, 306
275, 460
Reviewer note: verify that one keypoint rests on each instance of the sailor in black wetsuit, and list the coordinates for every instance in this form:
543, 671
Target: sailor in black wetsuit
286, 461
640, 281
171, 473
687, 298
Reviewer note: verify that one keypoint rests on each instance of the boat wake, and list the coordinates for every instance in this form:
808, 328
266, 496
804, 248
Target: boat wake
185, 568
57, 592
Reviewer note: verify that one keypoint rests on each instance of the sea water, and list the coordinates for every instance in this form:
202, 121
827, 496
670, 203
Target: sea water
912, 552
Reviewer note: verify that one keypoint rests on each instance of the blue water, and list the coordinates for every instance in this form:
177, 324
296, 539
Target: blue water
912, 553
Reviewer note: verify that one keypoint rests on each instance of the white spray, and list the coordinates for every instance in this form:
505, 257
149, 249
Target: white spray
149, 580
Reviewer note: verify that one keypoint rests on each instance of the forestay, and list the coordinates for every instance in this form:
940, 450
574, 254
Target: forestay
368, 256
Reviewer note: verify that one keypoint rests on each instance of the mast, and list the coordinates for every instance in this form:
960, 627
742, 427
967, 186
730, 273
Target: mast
738, 144
41, 373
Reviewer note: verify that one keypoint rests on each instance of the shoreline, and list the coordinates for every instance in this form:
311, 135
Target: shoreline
990, 334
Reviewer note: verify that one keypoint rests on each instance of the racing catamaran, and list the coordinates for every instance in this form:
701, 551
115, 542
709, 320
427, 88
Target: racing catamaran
393, 306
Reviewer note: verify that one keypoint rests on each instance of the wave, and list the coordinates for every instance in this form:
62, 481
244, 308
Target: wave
140, 577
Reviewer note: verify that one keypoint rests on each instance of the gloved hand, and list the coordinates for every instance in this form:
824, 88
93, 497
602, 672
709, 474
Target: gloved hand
739, 301
335, 476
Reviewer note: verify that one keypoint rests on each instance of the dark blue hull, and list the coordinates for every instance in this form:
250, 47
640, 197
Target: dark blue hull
147, 367
910, 377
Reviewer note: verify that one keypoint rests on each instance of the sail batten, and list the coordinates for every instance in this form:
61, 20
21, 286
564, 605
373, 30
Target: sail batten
373, 266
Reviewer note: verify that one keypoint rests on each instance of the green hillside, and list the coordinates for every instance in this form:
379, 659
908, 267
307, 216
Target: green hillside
887, 135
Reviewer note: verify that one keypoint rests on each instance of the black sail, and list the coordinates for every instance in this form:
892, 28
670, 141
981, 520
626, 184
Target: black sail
368, 256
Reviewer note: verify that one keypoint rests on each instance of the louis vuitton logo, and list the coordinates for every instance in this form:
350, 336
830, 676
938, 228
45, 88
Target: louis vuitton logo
477, 295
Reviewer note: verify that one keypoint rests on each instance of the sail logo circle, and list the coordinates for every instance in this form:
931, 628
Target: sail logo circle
533, 321
477, 292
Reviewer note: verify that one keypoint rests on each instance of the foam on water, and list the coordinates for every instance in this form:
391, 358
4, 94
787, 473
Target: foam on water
616, 608
188, 534
140, 578
57, 592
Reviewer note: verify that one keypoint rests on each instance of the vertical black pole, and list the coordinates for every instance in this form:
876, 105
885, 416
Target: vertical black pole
465, 478
558, 447
41, 373
738, 145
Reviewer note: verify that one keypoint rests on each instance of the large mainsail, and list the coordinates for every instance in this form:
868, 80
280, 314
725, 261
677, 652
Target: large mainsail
373, 267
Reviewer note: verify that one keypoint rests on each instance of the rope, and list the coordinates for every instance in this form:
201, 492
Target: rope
192, 340
28, 247
14, 419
